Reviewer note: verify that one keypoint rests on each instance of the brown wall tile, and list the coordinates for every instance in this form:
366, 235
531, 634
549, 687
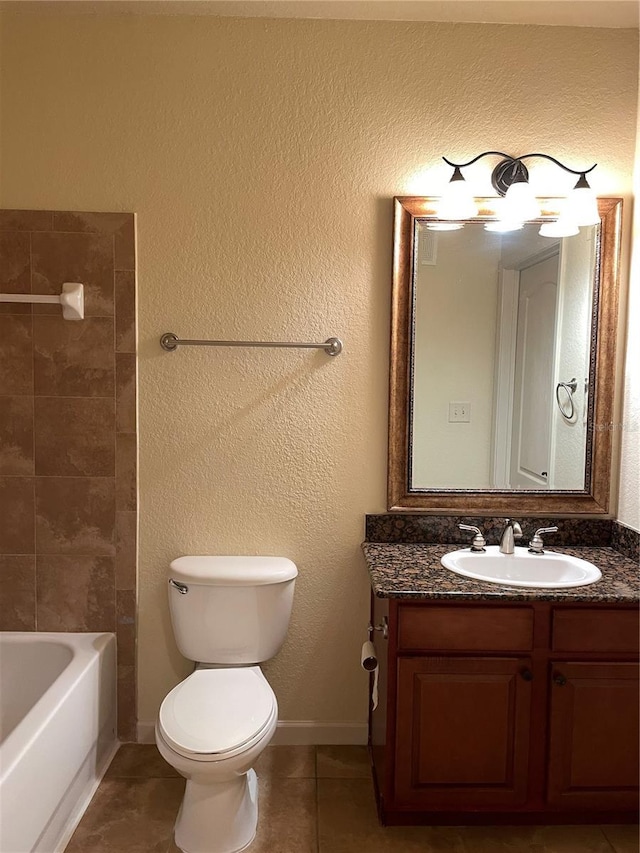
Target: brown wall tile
75, 594
16, 435
16, 515
126, 414
15, 269
125, 244
88, 222
127, 703
126, 465
73, 359
17, 593
120, 225
75, 436
126, 549
125, 311
126, 626
75, 515
87, 258
26, 220
58, 451
16, 361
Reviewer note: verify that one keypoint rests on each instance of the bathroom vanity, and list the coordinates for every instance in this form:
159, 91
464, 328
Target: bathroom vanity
498, 704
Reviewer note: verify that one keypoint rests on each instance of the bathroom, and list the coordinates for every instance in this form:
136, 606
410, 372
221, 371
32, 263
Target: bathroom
220, 129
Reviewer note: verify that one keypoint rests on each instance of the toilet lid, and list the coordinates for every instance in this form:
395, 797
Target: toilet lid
216, 710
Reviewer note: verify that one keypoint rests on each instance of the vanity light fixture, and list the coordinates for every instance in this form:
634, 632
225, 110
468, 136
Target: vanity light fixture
562, 227
510, 179
503, 226
445, 226
457, 201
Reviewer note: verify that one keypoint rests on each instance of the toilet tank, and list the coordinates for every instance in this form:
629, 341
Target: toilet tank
231, 610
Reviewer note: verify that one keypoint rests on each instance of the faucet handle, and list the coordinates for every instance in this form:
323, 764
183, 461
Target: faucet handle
535, 546
478, 540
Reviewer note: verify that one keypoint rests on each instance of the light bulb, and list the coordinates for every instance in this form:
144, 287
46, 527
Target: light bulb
520, 203
457, 200
583, 204
564, 226
444, 226
503, 227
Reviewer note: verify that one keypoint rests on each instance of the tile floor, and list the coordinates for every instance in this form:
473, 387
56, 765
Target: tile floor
312, 800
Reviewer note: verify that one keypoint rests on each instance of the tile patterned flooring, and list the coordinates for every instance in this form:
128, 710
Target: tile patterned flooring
312, 800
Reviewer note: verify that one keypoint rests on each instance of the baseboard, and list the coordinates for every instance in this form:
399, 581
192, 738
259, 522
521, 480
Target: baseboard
317, 732
295, 733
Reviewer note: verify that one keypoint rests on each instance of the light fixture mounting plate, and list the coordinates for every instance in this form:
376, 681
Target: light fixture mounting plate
504, 173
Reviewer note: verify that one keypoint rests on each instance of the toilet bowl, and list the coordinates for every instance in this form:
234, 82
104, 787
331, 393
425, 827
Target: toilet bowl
230, 613
212, 728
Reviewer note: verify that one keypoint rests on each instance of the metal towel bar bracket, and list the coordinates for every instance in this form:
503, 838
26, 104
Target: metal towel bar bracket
170, 342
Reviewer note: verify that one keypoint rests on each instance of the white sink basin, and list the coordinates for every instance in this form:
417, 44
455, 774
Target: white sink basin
545, 571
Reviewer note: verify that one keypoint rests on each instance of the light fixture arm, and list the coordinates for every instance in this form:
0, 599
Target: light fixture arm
514, 159
512, 169
475, 159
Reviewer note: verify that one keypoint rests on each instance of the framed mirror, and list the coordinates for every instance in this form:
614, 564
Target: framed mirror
502, 363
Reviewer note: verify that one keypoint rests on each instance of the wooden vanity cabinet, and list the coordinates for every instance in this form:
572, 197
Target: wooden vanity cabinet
443, 702
509, 712
593, 708
593, 735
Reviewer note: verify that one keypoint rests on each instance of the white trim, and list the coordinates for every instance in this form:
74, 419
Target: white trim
316, 732
508, 290
554, 420
295, 733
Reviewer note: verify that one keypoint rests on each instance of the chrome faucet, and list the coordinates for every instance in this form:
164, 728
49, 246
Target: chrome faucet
512, 531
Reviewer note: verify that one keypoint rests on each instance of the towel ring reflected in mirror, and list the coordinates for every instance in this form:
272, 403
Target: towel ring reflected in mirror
570, 389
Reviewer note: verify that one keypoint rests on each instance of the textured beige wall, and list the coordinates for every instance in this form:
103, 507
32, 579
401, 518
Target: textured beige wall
260, 157
629, 504
1, 65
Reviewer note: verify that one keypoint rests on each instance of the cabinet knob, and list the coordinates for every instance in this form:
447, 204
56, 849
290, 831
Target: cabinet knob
560, 679
527, 675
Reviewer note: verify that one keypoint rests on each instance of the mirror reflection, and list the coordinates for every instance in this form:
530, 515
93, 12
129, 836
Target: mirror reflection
501, 358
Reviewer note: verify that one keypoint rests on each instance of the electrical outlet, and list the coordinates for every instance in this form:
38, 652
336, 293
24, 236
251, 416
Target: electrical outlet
459, 413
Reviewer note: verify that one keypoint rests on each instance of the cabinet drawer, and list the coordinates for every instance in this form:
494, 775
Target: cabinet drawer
613, 630
468, 628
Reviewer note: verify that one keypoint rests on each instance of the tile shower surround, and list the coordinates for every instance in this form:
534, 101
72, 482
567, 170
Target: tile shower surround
68, 498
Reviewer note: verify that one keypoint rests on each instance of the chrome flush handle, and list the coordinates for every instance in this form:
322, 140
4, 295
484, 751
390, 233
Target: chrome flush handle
182, 588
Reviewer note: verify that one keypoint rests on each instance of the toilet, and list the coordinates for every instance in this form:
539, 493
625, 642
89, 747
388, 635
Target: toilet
228, 614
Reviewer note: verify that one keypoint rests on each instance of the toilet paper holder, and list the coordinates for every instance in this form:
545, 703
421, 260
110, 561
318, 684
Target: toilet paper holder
383, 627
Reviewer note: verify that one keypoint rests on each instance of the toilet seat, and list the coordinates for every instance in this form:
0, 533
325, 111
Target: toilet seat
216, 713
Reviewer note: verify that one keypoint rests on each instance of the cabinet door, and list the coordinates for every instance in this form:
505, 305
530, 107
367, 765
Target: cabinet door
462, 735
593, 756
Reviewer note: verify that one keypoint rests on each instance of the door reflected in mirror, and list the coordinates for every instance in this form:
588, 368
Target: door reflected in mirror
501, 358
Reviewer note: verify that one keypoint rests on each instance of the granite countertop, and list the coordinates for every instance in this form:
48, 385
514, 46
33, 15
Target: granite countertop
414, 571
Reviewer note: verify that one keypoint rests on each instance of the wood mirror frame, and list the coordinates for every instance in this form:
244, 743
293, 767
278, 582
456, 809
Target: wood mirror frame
592, 500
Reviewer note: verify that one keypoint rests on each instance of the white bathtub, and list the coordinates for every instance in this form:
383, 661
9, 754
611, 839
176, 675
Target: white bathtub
57, 733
